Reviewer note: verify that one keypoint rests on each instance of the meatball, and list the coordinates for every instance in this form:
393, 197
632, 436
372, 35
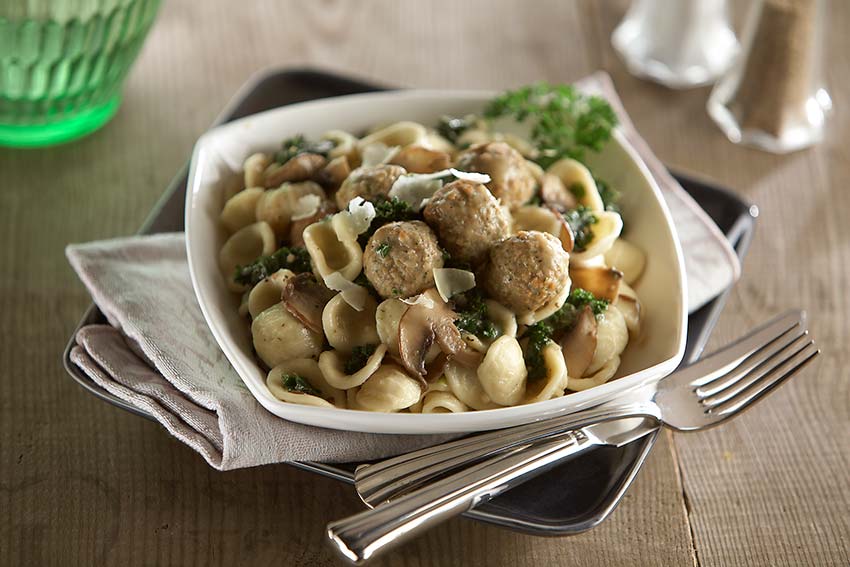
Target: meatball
512, 182
468, 219
368, 182
400, 258
527, 270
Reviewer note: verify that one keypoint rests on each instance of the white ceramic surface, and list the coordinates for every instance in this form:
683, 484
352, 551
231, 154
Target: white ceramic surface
220, 152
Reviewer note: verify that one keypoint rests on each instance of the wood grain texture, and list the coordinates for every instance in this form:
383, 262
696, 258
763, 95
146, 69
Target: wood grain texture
84, 483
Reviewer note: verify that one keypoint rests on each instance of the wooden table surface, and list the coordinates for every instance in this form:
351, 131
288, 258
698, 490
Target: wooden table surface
83, 483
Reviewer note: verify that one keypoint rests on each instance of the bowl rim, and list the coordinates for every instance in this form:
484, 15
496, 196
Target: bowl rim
622, 388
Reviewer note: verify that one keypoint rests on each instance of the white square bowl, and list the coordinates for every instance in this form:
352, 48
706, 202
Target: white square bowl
219, 154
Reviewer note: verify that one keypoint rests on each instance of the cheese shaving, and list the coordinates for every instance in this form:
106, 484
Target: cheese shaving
451, 281
362, 214
305, 207
420, 299
414, 189
470, 176
353, 294
377, 154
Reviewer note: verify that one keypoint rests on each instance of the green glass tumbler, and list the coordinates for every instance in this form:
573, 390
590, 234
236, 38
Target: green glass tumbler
62, 63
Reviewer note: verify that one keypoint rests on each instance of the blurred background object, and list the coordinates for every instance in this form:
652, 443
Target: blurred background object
62, 63
773, 98
678, 43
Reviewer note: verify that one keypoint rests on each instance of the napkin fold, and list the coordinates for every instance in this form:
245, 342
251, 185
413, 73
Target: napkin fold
158, 354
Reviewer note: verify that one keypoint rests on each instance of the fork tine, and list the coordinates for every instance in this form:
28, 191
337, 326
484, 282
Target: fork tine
735, 354
778, 375
751, 364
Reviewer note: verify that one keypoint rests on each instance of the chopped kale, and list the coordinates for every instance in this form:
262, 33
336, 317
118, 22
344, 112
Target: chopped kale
580, 220
383, 249
299, 385
609, 196
536, 200
358, 358
292, 258
472, 317
387, 211
451, 128
560, 322
578, 190
564, 122
298, 144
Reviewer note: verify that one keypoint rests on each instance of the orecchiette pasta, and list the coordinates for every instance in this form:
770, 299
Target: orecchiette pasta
346, 328
444, 270
305, 368
279, 337
502, 373
388, 389
243, 247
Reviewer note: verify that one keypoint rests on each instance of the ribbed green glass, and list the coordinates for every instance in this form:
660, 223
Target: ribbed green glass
62, 63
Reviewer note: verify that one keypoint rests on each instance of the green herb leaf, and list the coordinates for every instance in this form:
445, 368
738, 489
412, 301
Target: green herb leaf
383, 249
299, 385
293, 258
358, 358
451, 127
387, 211
564, 122
580, 220
609, 196
298, 144
473, 319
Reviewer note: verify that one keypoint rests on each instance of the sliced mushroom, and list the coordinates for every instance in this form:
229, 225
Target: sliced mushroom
334, 173
299, 168
296, 229
417, 159
426, 322
579, 343
305, 299
554, 193
565, 234
601, 281
630, 306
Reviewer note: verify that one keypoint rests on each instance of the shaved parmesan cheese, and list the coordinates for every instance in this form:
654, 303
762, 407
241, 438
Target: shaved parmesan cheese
415, 188
353, 294
470, 176
343, 226
362, 214
451, 281
377, 154
420, 299
305, 207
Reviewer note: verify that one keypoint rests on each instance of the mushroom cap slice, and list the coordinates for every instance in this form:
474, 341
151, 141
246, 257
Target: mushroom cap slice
579, 344
427, 321
299, 168
305, 299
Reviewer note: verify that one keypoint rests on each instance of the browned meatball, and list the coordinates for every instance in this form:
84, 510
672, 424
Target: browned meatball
527, 270
468, 219
368, 182
400, 258
511, 180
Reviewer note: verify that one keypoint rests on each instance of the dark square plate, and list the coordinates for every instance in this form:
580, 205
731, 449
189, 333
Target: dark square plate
568, 499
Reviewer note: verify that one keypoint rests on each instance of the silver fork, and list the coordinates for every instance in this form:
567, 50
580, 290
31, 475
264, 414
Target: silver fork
415, 491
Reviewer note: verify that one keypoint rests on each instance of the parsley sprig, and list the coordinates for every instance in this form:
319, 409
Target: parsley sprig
564, 122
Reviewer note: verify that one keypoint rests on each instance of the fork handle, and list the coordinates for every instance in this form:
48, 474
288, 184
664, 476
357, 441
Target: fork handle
360, 537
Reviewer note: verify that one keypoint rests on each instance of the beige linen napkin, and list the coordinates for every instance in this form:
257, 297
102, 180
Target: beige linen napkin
159, 355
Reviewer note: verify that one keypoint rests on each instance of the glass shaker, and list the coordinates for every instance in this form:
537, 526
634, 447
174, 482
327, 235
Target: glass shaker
678, 43
774, 98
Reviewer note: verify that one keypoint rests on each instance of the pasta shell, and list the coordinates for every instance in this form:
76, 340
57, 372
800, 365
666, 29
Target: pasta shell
605, 373
502, 317
627, 258
267, 292
308, 369
279, 337
254, 167
464, 384
553, 384
388, 390
276, 206
330, 254
577, 178
399, 134
612, 336
243, 247
241, 209
531, 217
346, 327
605, 232
345, 145
387, 316
442, 402
631, 308
502, 373
332, 365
